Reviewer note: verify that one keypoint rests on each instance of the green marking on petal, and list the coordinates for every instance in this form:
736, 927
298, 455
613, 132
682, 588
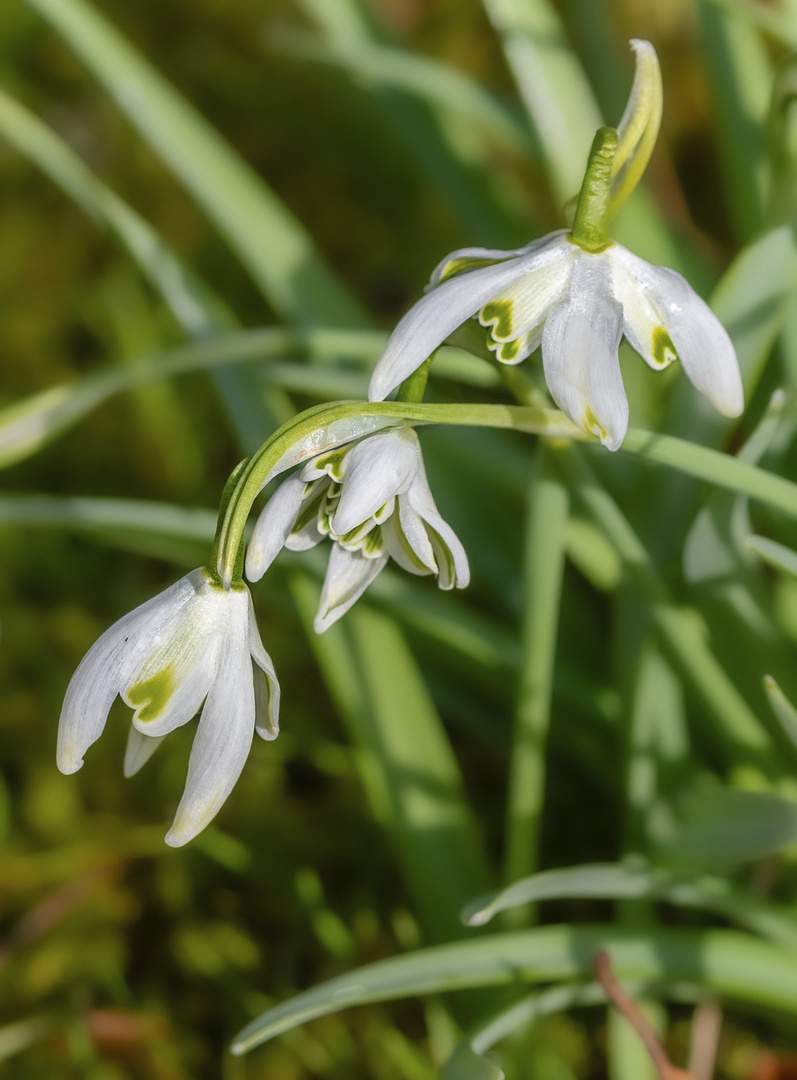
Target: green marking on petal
508, 350
593, 424
313, 501
332, 464
463, 263
497, 314
373, 545
152, 696
664, 352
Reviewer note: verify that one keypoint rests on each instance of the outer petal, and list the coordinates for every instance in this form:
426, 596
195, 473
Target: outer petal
267, 687
106, 667
449, 554
223, 738
441, 311
464, 260
579, 352
407, 541
174, 678
348, 576
374, 471
664, 317
273, 526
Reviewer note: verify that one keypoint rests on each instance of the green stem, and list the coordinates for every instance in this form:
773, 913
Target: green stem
591, 223
545, 557
324, 427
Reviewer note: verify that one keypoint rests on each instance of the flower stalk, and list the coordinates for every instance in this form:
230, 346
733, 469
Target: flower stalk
326, 427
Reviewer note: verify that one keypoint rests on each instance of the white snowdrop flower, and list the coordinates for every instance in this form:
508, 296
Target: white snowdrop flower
195, 643
576, 293
372, 498
577, 305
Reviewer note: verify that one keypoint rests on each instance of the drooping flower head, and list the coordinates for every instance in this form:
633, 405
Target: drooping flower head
195, 646
576, 294
372, 499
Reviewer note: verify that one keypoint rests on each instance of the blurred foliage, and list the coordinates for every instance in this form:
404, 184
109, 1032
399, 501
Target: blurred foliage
122, 958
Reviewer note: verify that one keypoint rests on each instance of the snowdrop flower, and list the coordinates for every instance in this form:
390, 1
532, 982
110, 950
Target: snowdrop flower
372, 498
577, 293
576, 304
196, 642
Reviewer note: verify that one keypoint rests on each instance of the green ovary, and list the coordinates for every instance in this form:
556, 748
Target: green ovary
151, 697
664, 352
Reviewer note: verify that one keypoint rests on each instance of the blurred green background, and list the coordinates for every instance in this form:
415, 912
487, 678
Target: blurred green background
118, 956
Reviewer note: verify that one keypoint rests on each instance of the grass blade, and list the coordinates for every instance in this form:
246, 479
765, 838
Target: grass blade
546, 538
270, 242
724, 962
408, 769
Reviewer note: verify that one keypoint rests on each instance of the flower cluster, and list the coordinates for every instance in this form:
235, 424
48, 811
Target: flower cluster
359, 476
372, 499
197, 646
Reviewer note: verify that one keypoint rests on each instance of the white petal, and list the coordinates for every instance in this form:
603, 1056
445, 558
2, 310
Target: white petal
440, 312
139, 750
519, 348
374, 471
222, 742
452, 561
273, 526
663, 314
579, 352
169, 686
348, 576
407, 541
464, 260
266, 684
106, 667
449, 554
523, 306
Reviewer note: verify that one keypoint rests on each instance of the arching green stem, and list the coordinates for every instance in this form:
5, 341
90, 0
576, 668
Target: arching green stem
326, 426
591, 224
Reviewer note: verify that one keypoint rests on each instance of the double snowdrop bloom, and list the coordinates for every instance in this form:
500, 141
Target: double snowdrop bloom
576, 294
195, 643
371, 497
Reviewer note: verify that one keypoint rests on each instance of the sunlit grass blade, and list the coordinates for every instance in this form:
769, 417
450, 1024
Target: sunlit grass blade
638, 881
721, 469
552, 85
750, 298
406, 762
741, 79
738, 734
772, 21
545, 540
467, 1062
431, 81
28, 425
782, 708
448, 151
658, 759
194, 306
182, 535
725, 962
270, 242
